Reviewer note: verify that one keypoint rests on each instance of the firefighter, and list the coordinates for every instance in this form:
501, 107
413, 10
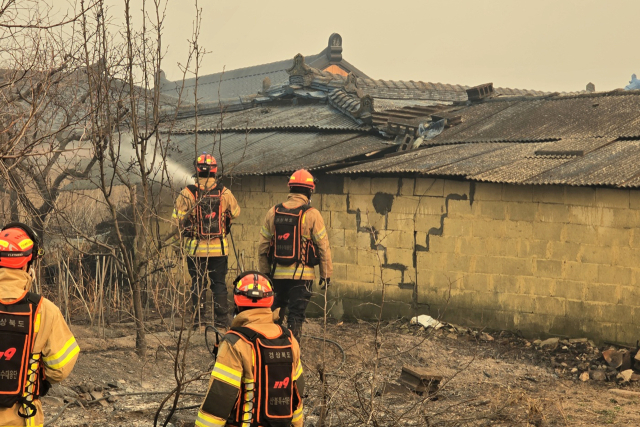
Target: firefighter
293, 240
204, 212
37, 348
257, 378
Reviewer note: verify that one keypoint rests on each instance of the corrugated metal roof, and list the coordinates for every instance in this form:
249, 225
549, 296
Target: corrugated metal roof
539, 119
276, 117
273, 152
599, 161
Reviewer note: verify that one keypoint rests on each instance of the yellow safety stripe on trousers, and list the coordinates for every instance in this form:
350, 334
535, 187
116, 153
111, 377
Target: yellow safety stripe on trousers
178, 214
61, 358
302, 272
206, 420
297, 414
298, 371
320, 235
227, 374
204, 247
265, 233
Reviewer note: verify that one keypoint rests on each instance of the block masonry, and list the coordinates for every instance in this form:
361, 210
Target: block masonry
538, 259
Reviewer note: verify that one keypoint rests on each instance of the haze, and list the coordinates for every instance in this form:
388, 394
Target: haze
545, 45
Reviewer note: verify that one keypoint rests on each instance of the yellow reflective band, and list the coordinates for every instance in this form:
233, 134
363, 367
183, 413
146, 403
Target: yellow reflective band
36, 326
25, 243
320, 234
206, 420
226, 374
63, 357
298, 372
4, 243
178, 214
235, 212
309, 179
297, 414
266, 233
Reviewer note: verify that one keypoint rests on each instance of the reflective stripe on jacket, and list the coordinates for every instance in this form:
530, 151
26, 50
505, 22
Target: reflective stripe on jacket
234, 366
313, 228
184, 206
54, 345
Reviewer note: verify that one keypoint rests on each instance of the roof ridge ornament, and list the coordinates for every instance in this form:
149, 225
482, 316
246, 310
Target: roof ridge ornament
351, 85
365, 112
334, 50
300, 73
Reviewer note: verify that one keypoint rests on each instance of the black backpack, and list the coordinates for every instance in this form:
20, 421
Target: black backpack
17, 335
288, 246
210, 219
272, 398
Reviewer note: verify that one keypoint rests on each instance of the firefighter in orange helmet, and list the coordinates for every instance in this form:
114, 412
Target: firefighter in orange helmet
204, 212
257, 379
293, 240
36, 346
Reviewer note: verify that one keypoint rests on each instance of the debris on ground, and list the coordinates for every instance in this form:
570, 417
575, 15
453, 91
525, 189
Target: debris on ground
576, 358
426, 322
420, 380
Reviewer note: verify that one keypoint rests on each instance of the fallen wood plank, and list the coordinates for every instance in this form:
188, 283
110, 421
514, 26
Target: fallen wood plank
624, 393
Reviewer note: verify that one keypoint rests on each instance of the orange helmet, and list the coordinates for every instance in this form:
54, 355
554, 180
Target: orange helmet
206, 163
252, 289
302, 178
18, 243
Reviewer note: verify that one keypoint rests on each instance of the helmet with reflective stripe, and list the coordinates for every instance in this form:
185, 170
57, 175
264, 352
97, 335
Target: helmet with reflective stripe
18, 244
302, 178
206, 163
252, 289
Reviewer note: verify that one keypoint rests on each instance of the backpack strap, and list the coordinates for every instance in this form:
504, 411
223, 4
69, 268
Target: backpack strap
248, 333
193, 189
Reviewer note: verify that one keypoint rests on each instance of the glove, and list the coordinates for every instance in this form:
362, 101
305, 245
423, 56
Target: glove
324, 283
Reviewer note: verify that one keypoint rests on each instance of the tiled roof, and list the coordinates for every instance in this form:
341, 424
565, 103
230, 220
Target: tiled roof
409, 89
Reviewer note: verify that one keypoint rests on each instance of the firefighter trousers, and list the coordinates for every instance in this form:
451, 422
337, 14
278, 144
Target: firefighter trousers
294, 294
215, 269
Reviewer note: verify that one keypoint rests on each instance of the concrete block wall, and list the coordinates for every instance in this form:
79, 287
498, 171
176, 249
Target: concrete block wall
539, 259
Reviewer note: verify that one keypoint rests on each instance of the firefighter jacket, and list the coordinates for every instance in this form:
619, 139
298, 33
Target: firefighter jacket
54, 347
185, 205
234, 366
312, 228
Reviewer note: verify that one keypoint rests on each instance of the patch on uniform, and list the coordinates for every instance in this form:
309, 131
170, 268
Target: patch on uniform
232, 339
221, 399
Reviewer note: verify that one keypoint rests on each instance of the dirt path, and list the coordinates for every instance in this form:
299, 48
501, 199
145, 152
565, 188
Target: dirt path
502, 382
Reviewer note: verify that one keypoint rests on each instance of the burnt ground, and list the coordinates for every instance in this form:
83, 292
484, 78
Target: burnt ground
492, 379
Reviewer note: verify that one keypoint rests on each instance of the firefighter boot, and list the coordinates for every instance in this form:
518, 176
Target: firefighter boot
221, 312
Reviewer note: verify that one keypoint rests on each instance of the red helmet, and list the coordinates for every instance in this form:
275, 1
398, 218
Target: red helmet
206, 163
252, 290
18, 242
302, 178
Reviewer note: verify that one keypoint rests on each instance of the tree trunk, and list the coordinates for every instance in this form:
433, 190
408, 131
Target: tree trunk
141, 336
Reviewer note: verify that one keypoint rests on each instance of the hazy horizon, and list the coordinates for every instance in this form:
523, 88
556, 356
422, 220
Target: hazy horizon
546, 45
